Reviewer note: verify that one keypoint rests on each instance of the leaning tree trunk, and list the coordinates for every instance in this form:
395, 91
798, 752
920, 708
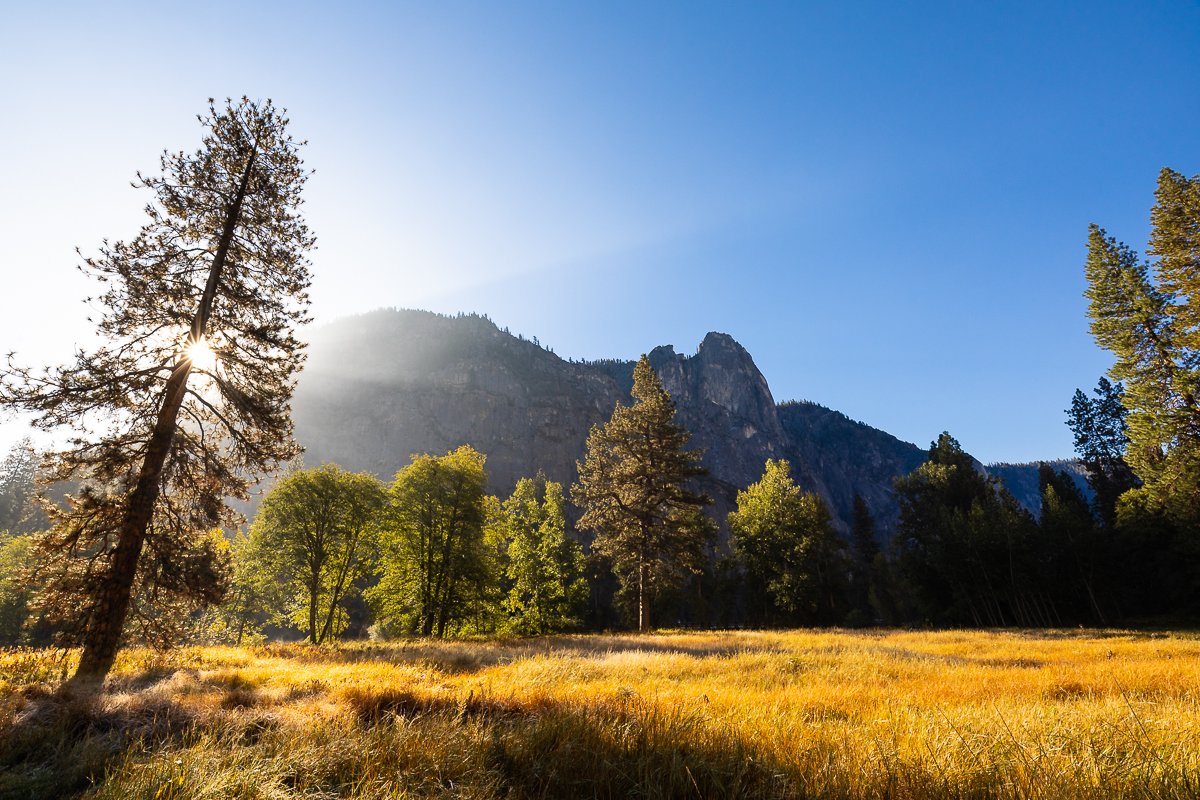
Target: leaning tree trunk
103, 635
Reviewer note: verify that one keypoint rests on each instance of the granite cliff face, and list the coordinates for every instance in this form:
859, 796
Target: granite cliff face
1021, 480
381, 386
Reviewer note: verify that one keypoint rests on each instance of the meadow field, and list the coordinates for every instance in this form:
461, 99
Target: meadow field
830, 714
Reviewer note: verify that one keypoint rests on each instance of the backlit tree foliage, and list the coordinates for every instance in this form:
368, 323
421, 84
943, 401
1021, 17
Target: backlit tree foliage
1147, 313
435, 568
186, 397
545, 567
784, 536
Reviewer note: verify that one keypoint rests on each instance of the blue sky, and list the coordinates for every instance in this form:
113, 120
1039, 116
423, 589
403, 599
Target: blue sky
885, 203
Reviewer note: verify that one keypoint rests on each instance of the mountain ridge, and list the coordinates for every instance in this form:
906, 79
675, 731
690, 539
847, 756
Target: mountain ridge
381, 386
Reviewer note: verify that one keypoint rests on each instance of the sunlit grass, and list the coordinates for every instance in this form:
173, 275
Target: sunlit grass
749, 714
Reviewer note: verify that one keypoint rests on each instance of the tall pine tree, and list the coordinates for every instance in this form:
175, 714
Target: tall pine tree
187, 398
18, 478
634, 490
1147, 313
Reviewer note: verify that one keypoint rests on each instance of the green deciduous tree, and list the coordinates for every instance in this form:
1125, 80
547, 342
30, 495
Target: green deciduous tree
435, 565
254, 599
314, 537
633, 489
545, 567
164, 432
785, 538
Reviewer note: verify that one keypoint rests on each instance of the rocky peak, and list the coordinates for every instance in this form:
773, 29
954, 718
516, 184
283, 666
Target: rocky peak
717, 345
725, 375
670, 368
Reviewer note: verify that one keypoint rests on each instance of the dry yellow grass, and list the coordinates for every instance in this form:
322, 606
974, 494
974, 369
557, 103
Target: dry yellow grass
1057, 714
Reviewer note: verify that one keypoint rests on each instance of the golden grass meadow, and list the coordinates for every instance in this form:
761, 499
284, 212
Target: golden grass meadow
831, 714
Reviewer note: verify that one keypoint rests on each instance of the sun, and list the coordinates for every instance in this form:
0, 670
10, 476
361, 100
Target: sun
201, 355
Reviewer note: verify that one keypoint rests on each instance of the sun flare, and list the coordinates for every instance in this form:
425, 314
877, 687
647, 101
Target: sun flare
201, 355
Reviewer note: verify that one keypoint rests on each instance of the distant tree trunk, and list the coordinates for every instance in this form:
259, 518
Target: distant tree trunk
444, 588
335, 594
643, 610
103, 635
441, 624
426, 599
314, 592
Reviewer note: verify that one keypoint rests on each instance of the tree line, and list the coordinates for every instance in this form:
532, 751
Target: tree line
333, 554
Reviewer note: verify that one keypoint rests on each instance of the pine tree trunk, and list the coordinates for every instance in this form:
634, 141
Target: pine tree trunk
112, 605
103, 636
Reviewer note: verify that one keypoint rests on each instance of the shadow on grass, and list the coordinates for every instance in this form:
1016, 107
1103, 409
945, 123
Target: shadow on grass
461, 657
230, 738
476, 746
546, 748
56, 745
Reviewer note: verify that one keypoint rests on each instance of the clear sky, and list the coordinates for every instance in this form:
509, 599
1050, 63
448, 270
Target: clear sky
886, 203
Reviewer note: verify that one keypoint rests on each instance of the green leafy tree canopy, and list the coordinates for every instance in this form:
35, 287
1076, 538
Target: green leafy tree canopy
785, 538
545, 566
435, 566
314, 539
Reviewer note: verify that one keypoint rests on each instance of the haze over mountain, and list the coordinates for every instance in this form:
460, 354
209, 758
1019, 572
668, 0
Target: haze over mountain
381, 386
